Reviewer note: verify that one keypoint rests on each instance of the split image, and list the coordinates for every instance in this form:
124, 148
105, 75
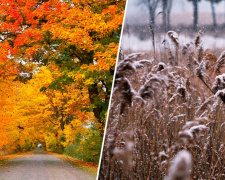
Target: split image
112, 89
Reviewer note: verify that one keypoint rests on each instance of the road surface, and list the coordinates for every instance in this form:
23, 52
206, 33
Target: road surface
41, 166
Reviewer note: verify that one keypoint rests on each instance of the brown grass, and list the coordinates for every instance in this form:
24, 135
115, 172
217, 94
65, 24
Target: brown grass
171, 110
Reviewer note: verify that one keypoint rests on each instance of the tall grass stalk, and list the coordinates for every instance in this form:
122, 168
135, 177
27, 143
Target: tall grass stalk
163, 119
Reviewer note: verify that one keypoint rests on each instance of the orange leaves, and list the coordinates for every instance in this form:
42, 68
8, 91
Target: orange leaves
113, 17
7, 107
7, 66
78, 77
45, 7
28, 37
110, 10
31, 51
11, 13
107, 58
4, 48
10, 27
14, 14
30, 16
78, 23
75, 35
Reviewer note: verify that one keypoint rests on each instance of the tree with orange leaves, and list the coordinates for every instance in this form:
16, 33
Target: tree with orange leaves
79, 36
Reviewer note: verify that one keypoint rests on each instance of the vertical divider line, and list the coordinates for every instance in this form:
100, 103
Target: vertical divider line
117, 59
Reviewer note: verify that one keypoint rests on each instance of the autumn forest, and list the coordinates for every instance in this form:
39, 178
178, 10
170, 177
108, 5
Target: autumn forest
56, 73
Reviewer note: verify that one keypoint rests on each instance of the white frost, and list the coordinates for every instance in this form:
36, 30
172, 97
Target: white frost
181, 166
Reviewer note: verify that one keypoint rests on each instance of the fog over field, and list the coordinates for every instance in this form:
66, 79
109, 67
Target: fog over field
181, 19
137, 12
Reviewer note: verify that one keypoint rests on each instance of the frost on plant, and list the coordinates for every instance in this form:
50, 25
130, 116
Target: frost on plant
166, 119
180, 166
219, 87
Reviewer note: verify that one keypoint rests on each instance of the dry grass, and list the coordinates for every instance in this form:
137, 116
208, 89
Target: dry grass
160, 109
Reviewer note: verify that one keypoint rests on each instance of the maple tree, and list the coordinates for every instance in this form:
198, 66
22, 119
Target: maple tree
52, 112
78, 35
56, 69
12, 134
56, 118
5, 108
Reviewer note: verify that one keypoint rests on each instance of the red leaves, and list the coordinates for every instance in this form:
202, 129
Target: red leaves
13, 13
4, 48
110, 10
7, 66
27, 37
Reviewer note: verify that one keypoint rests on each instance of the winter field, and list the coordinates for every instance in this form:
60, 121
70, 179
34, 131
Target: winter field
167, 114
132, 44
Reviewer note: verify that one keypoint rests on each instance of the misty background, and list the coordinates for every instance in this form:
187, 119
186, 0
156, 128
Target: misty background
186, 17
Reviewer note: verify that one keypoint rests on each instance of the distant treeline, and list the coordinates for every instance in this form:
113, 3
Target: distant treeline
165, 7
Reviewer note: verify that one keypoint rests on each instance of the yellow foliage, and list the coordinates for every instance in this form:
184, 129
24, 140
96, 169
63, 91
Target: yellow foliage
50, 141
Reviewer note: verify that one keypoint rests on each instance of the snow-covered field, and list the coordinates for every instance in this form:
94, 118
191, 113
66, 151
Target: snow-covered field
134, 44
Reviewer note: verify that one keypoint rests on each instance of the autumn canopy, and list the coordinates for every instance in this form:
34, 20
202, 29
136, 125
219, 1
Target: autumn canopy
56, 69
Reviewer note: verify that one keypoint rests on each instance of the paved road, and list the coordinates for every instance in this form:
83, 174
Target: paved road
41, 166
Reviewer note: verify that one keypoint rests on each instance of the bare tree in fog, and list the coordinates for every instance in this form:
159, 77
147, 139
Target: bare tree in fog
167, 5
195, 20
213, 13
152, 5
128, 32
212, 2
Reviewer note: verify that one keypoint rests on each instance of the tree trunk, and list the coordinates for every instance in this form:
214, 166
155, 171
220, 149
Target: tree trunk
195, 20
152, 17
152, 5
62, 123
93, 93
213, 14
169, 6
164, 3
128, 33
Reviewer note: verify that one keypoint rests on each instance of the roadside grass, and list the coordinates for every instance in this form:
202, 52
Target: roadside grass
86, 166
5, 158
3, 161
